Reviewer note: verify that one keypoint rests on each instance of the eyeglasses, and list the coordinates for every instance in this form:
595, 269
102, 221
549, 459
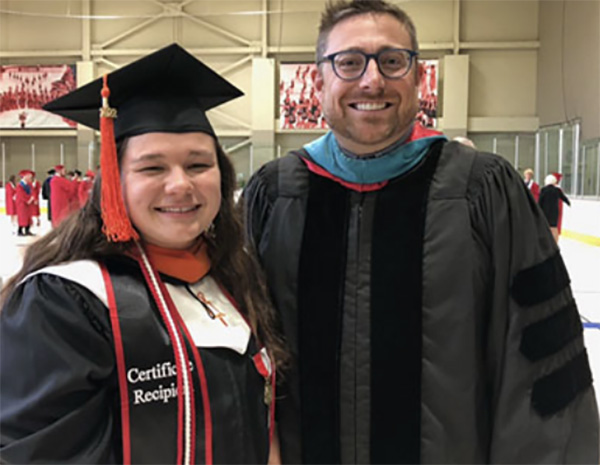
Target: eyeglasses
349, 65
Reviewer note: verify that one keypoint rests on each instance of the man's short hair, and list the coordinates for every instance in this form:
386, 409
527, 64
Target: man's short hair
340, 10
528, 171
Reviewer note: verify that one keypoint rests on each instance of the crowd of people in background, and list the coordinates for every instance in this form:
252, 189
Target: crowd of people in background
428, 99
24, 90
68, 191
22, 202
32, 90
301, 110
65, 191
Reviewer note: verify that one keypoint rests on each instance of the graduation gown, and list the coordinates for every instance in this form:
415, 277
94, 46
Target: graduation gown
35, 194
430, 319
534, 188
59, 396
63, 195
23, 205
10, 199
83, 191
46, 195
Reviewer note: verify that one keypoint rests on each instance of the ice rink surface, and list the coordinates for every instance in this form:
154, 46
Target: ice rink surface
582, 260
583, 263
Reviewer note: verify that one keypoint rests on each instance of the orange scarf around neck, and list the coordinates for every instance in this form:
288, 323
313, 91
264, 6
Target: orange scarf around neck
189, 265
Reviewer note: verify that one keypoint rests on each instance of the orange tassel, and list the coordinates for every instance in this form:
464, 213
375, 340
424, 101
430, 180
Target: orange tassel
117, 226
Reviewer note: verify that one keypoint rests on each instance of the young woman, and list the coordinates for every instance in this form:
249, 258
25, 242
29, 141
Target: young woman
143, 334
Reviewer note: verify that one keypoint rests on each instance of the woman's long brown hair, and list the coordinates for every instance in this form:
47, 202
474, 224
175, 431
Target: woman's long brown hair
80, 237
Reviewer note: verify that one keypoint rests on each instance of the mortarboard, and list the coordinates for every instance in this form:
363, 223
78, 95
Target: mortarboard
25, 173
167, 91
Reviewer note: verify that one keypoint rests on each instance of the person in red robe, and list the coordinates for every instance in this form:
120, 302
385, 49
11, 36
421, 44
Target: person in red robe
23, 201
35, 203
533, 186
63, 194
10, 200
85, 186
76, 177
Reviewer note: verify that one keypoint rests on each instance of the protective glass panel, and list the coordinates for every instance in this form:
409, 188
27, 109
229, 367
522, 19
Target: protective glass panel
526, 155
568, 170
551, 155
589, 173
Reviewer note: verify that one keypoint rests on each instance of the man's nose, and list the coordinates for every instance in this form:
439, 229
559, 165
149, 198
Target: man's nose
372, 77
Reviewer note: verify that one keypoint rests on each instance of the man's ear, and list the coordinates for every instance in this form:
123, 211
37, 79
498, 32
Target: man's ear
319, 83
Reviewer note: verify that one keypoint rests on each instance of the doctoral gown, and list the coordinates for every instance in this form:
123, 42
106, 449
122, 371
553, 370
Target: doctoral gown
430, 318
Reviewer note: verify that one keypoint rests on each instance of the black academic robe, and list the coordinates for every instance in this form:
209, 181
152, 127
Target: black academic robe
46, 195
59, 389
550, 196
430, 319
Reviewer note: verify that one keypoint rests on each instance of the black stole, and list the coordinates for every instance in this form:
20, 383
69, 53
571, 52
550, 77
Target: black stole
150, 370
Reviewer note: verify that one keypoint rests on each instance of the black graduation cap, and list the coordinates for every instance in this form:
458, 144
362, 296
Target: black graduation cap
167, 91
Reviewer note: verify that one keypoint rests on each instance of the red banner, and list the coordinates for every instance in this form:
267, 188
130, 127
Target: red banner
25, 89
428, 93
300, 108
298, 103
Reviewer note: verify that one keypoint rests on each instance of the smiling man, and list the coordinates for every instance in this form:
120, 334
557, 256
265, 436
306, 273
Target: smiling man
425, 302
365, 110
